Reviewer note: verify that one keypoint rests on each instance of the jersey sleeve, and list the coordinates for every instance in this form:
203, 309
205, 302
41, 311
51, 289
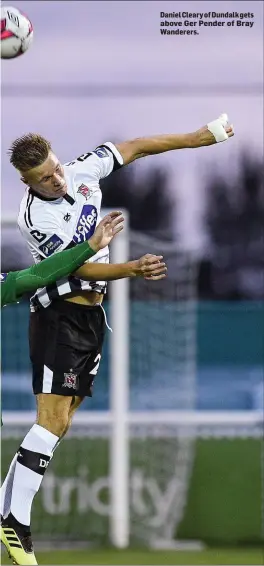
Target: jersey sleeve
44, 237
99, 163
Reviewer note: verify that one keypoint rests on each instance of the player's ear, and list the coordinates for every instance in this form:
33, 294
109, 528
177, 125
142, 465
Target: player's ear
23, 180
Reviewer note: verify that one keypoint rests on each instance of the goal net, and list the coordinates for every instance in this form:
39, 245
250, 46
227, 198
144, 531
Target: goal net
162, 378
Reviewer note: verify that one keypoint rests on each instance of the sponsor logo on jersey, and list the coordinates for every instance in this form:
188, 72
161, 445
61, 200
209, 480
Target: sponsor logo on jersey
3, 277
86, 224
85, 191
101, 152
51, 245
70, 380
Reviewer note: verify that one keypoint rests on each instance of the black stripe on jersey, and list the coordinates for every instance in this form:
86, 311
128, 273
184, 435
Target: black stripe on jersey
75, 283
32, 192
117, 165
35, 302
25, 213
69, 199
93, 285
27, 216
53, 291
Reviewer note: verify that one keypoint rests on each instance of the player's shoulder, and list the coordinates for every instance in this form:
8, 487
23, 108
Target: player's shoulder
31, 211
104, 151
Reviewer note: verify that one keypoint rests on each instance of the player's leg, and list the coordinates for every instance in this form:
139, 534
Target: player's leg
36, 451
27, 471
34, 454
65, 352
53, 412
75, 404
63, 408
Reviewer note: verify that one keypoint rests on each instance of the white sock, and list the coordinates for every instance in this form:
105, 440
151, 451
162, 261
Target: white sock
6, 489
33, 458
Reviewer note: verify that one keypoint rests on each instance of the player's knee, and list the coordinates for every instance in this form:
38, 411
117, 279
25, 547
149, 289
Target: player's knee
56, 423
53, 413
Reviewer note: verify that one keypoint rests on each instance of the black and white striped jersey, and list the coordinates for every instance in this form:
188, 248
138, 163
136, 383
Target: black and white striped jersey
49, 226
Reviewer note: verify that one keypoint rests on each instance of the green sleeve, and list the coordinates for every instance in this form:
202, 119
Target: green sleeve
8, 289
44, 273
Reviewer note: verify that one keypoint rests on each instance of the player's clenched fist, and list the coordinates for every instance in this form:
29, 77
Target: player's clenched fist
150, 266
214, 132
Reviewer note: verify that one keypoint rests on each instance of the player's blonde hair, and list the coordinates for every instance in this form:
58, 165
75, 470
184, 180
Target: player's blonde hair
29, 151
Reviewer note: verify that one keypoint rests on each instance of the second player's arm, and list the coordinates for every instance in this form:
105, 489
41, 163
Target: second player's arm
149, 266
53, 268
65, 262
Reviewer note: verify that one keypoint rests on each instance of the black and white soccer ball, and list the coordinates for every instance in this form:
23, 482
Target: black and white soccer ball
16, 32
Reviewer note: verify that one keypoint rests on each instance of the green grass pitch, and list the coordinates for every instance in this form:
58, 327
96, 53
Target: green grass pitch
227, 556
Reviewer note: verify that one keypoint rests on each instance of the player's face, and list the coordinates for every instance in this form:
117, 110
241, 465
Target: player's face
48, 178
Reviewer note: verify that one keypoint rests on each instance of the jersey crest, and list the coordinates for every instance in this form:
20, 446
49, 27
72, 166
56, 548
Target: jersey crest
84, 191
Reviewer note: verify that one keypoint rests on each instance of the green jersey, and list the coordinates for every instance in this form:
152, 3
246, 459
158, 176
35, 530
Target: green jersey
16, 283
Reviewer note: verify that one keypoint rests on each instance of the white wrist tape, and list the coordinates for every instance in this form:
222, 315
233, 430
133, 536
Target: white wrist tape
217, 128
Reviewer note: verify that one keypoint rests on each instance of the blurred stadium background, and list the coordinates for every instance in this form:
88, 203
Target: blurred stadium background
196, 346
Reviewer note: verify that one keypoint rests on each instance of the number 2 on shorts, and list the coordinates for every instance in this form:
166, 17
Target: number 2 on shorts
95, 369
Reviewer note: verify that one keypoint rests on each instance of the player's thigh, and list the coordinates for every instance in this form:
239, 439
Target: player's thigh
65, 348
75, 404
53, 412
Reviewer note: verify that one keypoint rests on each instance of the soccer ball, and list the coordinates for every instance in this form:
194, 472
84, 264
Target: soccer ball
16, 32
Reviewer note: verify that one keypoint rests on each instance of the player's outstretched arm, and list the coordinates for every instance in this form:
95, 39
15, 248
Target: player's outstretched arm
214, 132
149, 266
60, 264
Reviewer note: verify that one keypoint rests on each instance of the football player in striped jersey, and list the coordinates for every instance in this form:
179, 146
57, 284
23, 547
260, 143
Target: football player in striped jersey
61, 208
15, 536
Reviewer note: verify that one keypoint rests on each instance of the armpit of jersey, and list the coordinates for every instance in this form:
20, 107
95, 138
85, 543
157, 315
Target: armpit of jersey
3, 277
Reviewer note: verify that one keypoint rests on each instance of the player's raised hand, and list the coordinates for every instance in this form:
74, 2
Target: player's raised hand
109, 226
215, 132
150, 266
